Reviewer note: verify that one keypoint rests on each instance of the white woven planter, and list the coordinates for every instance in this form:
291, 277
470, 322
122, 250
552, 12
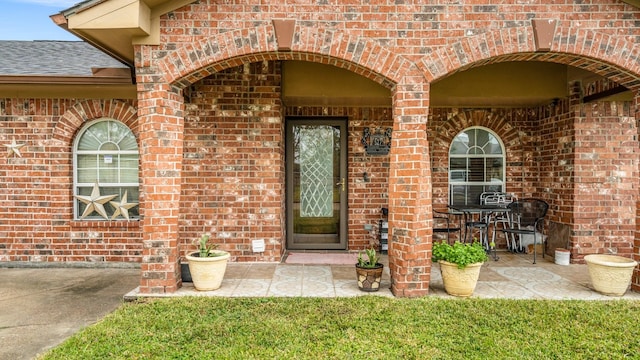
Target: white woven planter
459, 282
610, 274
207, 273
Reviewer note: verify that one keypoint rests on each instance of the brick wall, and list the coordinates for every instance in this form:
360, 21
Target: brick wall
411, 27
402, 46
587, 158
233, 175
36, 217
215, 189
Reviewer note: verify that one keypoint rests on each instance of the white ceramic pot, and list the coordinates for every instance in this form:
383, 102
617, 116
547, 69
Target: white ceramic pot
207, 273
610, 274
459, 282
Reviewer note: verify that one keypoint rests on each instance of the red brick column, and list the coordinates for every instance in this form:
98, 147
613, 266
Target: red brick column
161, 122
410, 191
635, 281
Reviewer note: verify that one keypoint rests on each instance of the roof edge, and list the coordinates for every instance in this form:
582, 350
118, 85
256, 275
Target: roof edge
114, 26
65, 80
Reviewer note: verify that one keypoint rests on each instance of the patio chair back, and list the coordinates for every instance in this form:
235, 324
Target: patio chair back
497, 198
528, 212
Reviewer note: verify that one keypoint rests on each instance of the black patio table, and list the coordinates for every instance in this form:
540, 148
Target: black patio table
469, 210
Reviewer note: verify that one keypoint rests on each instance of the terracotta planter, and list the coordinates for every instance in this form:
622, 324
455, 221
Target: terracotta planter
459, 282
610, 274
207, 273
369, 278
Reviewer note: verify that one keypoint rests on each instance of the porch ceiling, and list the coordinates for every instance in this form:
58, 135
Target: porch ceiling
508, 84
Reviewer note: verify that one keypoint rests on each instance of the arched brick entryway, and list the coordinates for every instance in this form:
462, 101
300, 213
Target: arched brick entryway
162, 102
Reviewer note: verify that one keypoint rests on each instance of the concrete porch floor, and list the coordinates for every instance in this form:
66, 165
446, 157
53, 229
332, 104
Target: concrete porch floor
512, 276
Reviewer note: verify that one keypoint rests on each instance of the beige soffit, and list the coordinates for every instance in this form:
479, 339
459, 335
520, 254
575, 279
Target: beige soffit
114, 26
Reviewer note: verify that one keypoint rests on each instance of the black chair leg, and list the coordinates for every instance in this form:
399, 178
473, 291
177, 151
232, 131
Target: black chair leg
535, 248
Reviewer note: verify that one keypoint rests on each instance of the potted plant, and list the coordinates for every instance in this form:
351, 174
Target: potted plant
369, 271
610, 274
459, 265
207, 265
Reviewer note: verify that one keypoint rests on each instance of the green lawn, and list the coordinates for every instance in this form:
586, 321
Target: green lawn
361, 327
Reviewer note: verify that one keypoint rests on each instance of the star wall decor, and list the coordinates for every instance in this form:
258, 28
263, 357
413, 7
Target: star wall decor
14, 148
122, 207
95, 202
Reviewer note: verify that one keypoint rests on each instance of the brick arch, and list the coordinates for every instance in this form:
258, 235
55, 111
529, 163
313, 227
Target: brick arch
191, 62
73, 119
492, 120
585, 49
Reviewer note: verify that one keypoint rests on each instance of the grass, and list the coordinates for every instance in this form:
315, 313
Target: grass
362, 327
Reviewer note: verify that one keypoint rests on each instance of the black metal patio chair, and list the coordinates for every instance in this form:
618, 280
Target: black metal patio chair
527, 218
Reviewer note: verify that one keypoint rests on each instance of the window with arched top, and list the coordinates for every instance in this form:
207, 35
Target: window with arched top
106, 180
476, 165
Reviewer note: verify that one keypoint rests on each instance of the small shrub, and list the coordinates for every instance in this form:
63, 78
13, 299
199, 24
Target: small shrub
373, 259
459, 253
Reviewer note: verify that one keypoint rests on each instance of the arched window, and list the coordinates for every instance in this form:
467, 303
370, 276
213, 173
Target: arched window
106, 180
476, 165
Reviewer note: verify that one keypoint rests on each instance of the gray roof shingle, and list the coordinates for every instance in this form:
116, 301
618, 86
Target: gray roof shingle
52, 58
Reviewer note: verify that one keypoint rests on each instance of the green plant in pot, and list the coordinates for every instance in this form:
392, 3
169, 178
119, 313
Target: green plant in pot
369, 271
459, 265
207, 265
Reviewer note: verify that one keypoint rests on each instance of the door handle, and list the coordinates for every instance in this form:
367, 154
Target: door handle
342, 182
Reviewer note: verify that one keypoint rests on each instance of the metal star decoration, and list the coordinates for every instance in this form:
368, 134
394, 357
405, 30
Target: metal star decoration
14, 148
95, 202
122, 207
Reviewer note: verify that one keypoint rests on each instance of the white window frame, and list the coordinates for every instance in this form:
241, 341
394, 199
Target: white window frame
122, 186
459, 178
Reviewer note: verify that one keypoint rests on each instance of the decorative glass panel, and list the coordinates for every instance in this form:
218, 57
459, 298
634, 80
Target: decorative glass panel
316, 171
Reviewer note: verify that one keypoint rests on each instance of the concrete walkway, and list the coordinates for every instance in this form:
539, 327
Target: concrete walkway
41, 307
